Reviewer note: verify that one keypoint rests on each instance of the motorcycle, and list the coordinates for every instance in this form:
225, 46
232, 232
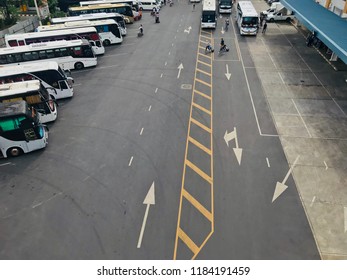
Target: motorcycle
209, 49
223, 49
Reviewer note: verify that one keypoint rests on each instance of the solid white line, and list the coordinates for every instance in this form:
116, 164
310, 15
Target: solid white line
313, 200
273, 62
279, 74
156, 90
161, 75
268, 163
102, 67
115, 54
143, 226
248, 86
150, 107
309, 134
290, 170
141, 131
7, 163
131, 160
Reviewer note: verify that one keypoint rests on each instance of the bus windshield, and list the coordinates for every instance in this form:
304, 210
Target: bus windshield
208, 16
250, 21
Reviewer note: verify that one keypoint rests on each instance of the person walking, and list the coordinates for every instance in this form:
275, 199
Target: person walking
193, 7
264, 27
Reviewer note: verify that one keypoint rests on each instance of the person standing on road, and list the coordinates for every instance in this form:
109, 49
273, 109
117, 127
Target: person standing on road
193, 7
264, 27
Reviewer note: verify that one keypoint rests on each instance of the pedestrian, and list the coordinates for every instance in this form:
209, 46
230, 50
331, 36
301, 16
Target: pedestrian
193, 7
264, 28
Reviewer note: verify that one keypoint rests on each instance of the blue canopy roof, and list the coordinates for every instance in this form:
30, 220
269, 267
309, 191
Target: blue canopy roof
331, 29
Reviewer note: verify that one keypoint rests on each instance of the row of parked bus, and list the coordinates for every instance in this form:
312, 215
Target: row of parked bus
247, 17
35, 69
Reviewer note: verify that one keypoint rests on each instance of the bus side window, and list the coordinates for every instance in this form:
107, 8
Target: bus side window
10, 58
57, 53
3, 59
27, 56
13, 43
50, 54
21, 43
18, 57
43, 54
35, 55
64, 51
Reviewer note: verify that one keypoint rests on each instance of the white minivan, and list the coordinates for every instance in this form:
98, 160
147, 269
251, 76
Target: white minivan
148, 5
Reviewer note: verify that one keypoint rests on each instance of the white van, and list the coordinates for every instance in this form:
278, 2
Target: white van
148, 5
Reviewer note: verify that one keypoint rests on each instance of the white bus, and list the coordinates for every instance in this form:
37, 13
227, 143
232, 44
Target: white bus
247, 18
88, 33
52, 77
209, 16
35, 94
98, 16
20, 129
225, 6
107, 29
75, 54
136, 5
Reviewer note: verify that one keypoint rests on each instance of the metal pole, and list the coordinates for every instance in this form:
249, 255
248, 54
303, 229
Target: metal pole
38, 12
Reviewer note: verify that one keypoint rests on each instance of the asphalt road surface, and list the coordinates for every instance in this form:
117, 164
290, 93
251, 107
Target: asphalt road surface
139, 120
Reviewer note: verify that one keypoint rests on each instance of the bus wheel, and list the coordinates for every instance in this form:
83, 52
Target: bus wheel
107, 43
14, 152
79, 66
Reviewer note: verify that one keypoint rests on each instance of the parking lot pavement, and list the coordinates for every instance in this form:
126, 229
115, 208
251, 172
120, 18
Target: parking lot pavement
308, 102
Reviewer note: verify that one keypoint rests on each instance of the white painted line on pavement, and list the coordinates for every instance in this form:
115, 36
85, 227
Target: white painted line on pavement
114, 55
326, 166
7, 163
165, 63
279, 74
141, 131
76, 85
345, 208
309, 134
156, 90
111, 66
149, 108
169, 53
161, 75
313, 200
268, 163
172, 45
131, 160
86, 178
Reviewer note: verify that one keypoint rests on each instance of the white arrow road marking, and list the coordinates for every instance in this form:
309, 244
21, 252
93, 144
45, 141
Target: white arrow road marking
281, 187
222, 31
188, 30
149, 200
345, 208
227, 74
180, 67
237, 150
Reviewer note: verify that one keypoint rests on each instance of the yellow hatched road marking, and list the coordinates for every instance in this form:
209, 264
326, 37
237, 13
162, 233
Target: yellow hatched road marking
197, 205
208, 37
202, 108
204, 31
203, 94
198, 171
204, 127
202, 82
204, 72
204, 42
207, 64
204, 55
186, 239
198, 144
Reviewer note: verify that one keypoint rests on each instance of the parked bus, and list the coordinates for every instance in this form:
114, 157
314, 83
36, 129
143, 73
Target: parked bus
124, 9
225, 6
107, 29
20, 129
52, 77
75, 54
115, 16
88, 33
247, 18
209, 16
136, 5
35, 94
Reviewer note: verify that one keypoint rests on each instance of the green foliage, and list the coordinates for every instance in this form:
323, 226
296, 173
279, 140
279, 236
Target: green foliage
9, 13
